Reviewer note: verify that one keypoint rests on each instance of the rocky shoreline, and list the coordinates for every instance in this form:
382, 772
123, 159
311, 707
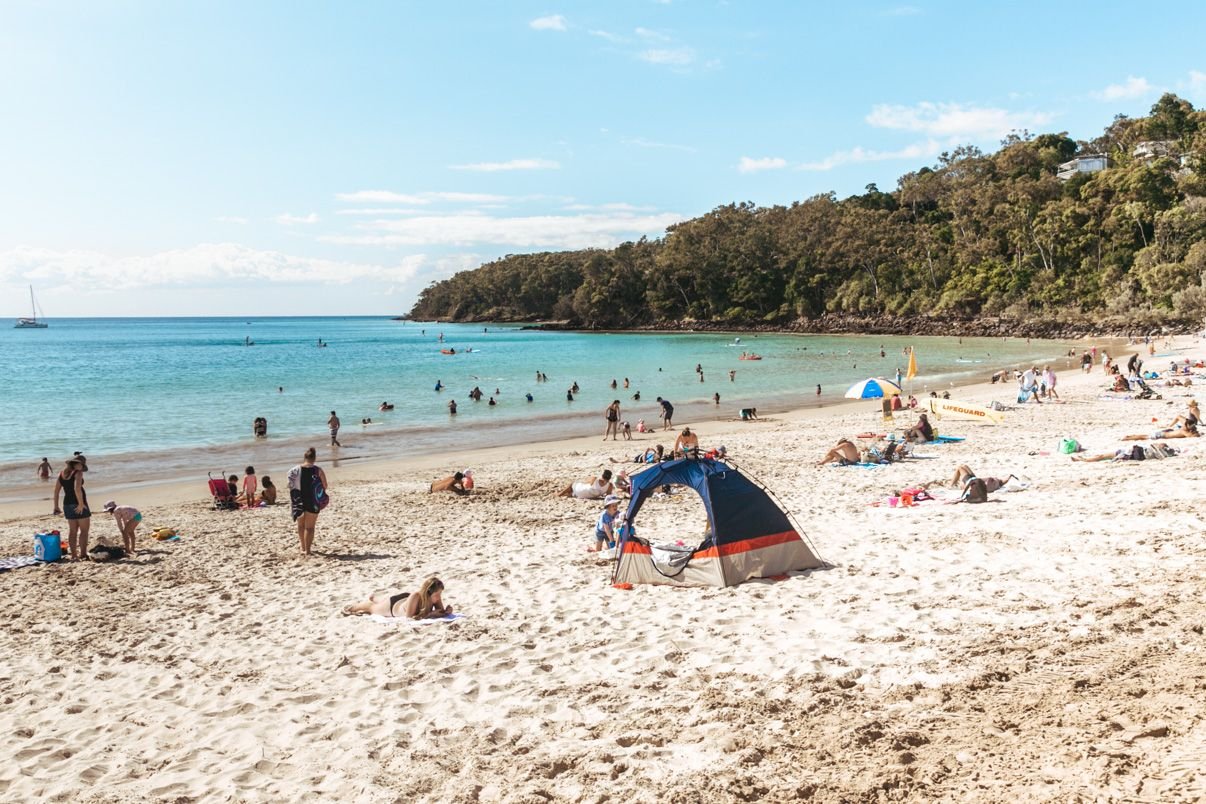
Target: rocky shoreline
986, 326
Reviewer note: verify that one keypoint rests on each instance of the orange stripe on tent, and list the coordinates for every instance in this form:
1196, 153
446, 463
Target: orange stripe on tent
744, 546
747, 545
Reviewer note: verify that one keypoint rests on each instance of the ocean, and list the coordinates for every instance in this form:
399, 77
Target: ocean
159, 399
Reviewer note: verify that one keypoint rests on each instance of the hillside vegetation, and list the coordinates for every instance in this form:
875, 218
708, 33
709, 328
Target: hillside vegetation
975, 235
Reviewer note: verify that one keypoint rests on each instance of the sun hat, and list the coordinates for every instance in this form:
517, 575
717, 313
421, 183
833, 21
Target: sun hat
78, 460
611, 499
109, 506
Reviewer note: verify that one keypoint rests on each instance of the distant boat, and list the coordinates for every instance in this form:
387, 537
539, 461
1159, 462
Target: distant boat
32, 322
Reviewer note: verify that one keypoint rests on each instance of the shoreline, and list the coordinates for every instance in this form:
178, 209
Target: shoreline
349, 467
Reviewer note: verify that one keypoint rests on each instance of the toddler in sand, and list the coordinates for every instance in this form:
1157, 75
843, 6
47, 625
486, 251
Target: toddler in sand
127, 519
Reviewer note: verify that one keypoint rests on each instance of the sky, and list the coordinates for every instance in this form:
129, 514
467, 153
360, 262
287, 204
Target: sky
307, 158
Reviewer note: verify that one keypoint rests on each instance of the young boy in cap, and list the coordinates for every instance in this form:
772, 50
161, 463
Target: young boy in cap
127, 519
605, 525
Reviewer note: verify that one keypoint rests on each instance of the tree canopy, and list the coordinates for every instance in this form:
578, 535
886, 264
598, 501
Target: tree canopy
975, 234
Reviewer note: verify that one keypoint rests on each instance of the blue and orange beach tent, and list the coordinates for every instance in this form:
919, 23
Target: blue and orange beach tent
749, 536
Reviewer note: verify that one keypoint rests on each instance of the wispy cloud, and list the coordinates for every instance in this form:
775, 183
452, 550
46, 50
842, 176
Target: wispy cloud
749, 165
552, 22
287, 219
858, 155
1130, 89
380, 197
651, 35
201, 265
641, 142
241, 221
608, 35
512, 164
536, 231
672, 57
374, 211
954, 121
901, 11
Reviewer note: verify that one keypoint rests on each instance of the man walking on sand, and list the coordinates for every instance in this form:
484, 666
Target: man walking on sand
333, 423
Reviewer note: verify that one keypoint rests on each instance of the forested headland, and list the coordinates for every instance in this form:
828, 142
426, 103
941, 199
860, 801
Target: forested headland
976, 237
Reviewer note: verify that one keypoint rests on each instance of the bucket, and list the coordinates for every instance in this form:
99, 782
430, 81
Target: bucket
47, 547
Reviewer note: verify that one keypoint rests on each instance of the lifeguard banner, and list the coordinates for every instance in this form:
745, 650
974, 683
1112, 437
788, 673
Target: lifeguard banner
950, 409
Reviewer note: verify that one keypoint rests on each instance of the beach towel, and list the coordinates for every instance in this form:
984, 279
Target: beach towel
947, 439
16, 562
377, 618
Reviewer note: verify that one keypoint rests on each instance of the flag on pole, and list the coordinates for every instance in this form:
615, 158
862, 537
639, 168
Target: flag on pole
912, 364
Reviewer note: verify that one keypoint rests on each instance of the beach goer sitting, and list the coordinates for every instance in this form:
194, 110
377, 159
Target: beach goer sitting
687, 444
641, 426
912, 402
748, 414
454, 483
425, 604
127, 519
605, 525
268, 495
921, 432
623, 484
468, 482
233, 482
595, 489
844, 453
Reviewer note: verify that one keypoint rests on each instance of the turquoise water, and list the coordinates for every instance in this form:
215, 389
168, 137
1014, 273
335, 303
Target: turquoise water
167, 390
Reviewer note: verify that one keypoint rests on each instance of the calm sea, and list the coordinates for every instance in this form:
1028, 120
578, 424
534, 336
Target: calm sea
156, 399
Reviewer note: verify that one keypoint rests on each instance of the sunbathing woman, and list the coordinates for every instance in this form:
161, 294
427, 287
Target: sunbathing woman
422, 605
844, 452
1185, 426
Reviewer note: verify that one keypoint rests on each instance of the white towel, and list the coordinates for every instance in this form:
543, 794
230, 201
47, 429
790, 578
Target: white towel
377, 618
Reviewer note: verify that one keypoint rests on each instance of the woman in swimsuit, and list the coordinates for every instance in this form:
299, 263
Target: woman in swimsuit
304, 497
422, 605
75, 505
612, 415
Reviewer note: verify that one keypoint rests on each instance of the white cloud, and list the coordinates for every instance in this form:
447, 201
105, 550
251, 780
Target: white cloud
231, 219
901, 11
553, 22
748, 165
655, 36
1129, 89
673, 57
537, 231
380, 211
954, 121
858, 155
286, 219
641, 142
512, 164
380, 197
608, 35
201, 265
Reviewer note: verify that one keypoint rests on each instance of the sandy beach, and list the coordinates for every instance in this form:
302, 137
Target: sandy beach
1045, 647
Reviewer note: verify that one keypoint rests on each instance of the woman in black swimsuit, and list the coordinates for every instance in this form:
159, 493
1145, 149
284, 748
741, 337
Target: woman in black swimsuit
612, 415
307, 498
424, 604
75, 504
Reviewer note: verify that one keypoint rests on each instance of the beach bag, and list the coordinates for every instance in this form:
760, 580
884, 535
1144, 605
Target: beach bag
1152, 453
1137, 453
1068, 446
321, 498
975, 491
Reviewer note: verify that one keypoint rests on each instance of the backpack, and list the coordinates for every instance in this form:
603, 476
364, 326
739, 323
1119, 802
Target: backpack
1137, 453
975, 491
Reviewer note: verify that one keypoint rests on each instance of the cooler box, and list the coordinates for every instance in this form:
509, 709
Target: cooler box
47, 547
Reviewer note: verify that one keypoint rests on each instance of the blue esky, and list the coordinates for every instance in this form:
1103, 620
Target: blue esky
276, 158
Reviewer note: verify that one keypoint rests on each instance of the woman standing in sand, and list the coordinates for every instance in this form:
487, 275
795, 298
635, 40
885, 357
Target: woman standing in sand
424, 604
612, 415
308, 495
75, 505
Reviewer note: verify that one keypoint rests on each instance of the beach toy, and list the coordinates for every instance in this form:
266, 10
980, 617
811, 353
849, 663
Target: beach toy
47, 547
892, 501
625, 586
906, 500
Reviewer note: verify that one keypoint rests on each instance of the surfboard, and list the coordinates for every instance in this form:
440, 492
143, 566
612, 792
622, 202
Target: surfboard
950, 409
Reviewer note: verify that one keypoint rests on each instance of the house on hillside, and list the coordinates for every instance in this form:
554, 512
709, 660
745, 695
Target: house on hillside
1086, 163
1149, 151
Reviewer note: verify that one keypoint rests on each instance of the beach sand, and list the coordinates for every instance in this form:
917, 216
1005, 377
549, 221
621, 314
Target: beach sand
1048, 647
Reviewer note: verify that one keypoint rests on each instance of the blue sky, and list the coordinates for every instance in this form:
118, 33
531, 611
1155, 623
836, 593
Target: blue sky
264, 158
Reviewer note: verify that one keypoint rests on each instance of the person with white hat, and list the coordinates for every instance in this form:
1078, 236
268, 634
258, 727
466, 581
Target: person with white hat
127, 519
605, 525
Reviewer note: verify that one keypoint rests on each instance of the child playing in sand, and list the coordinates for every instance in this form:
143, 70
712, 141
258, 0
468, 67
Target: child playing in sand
605, 525
422, 605
127, 519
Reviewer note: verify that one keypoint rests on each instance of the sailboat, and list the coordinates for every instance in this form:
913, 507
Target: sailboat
32, 322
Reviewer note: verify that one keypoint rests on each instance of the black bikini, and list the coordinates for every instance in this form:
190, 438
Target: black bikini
393, 601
